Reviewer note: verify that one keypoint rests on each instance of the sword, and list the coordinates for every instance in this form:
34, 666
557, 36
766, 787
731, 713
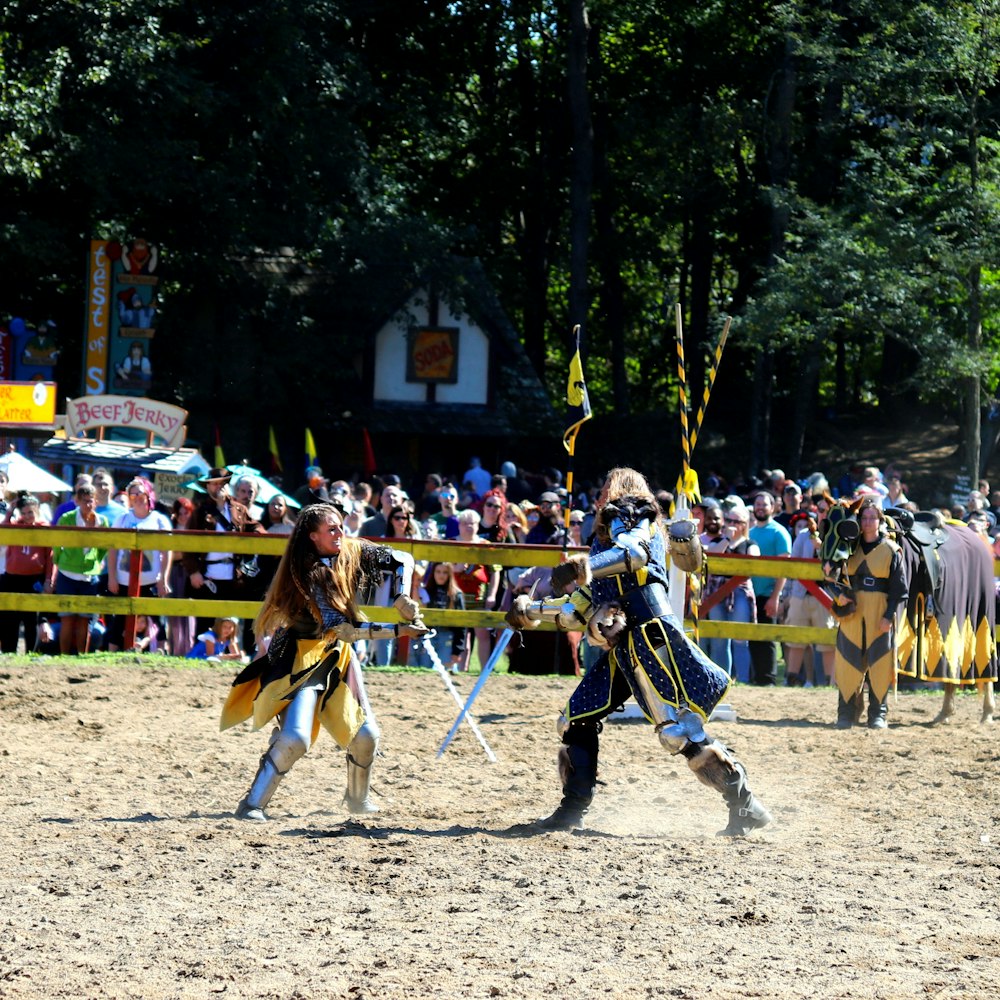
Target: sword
501, 645
453, 691
483, 677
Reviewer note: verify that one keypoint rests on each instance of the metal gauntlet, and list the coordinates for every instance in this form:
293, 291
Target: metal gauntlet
356, 631
402, 575
527, 613
629, 553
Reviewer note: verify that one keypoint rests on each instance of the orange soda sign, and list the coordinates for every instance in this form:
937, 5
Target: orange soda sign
433, 354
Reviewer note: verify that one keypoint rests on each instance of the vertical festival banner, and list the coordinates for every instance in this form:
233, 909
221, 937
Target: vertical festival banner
133, 311
96, 327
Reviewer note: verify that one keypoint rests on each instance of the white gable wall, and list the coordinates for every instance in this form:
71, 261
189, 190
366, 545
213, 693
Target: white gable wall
390, 359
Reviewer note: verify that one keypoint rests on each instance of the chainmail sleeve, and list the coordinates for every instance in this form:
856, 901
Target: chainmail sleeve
330, 616
375, 560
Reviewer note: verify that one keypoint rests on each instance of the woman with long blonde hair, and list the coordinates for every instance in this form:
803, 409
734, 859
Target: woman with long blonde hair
310, 674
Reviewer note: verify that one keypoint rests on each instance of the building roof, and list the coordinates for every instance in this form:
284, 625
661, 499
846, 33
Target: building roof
120, 455
519, 402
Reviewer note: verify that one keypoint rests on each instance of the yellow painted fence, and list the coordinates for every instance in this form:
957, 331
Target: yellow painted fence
434, 551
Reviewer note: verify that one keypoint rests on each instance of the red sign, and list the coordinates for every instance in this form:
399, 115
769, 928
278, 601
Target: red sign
433, 354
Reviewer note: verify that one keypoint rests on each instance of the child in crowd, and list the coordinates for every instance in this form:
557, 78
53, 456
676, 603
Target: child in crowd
220, 642
440, 590
146, 635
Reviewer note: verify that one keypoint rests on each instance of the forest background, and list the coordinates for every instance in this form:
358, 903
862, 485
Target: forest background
825, 171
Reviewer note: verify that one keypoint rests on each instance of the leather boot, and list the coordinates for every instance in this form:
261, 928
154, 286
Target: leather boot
877, 712
849, 712
578, 767
746, 812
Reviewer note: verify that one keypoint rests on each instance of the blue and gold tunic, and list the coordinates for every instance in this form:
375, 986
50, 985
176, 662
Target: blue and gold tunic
654, 642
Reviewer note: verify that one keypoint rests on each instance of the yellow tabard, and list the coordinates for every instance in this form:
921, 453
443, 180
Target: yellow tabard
861, 646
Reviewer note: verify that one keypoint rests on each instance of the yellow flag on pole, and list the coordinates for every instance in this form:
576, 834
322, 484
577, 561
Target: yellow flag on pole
310, 449
576, 396
272, 446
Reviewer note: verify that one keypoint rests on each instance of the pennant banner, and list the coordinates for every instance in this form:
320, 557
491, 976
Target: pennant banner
220, 459
576, 395
310, 449
272, 446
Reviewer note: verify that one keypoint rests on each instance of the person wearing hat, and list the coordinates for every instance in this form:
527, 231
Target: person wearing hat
314, 488
791, 503
772, 540
700, 509
550, 529
219, 574
983, 523
220, 642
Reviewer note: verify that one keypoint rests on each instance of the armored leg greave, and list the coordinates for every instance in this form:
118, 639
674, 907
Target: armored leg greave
360, 755
283, 752
286, 746
714, 766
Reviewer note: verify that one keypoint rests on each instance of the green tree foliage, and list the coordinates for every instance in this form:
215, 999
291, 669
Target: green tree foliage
825, 170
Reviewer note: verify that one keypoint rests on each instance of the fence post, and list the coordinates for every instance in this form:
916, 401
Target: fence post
134, 575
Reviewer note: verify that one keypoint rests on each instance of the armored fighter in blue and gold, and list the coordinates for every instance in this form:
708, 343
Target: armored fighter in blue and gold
621, 602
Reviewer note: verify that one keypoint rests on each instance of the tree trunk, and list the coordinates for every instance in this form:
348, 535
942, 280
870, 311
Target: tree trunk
781, 104
581, 166
806, 387
972, 413
533, 222
608, 253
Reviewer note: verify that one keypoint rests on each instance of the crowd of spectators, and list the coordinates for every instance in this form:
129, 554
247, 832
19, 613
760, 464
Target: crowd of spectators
770, 514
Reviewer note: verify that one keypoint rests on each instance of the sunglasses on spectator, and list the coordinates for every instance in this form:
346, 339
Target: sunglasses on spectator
574, 520
400, 517
733, 520
448, 496
136, 493
493, 505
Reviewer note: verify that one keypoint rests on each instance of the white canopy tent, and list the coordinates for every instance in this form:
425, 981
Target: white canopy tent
23, 474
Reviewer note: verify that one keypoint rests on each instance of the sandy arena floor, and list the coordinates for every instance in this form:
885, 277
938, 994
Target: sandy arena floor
125, 875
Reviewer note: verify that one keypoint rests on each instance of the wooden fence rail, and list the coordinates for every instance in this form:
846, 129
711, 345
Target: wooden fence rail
135, 540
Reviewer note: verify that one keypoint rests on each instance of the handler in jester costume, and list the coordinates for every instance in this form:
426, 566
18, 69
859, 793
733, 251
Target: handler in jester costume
310, 675
621, 602
866, 614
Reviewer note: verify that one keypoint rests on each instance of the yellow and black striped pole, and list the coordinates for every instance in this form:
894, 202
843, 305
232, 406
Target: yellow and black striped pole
578, 401
712, 372
683, 401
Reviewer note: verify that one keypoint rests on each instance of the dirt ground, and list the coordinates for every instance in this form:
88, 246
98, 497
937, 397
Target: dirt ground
125, 875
